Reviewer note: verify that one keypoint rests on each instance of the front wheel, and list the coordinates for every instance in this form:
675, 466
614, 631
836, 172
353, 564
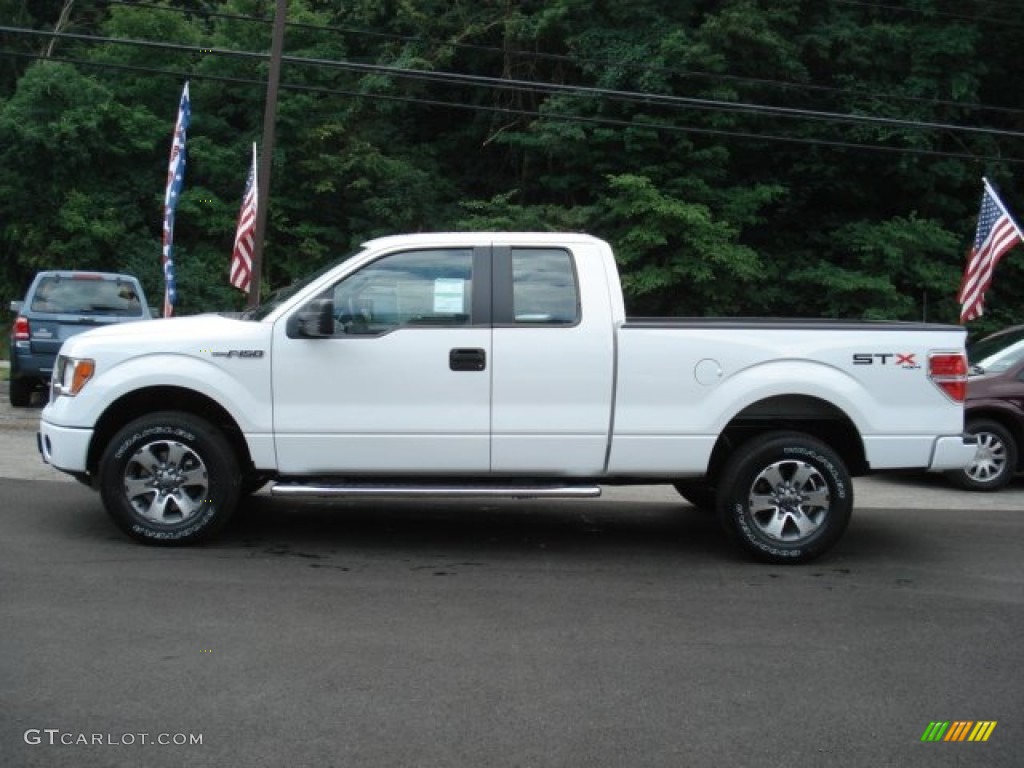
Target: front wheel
169, 478
785, 496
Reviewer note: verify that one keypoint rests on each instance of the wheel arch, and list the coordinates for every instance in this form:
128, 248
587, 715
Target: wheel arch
795, 413
163, 398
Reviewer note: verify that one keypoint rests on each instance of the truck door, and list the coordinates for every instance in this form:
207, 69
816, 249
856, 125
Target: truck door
403, 383
553, 363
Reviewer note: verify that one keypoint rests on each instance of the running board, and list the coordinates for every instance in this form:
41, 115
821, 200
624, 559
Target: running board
428, 490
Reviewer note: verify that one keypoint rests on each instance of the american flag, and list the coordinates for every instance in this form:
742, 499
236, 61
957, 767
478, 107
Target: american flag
175, 177
241, 257
996, 234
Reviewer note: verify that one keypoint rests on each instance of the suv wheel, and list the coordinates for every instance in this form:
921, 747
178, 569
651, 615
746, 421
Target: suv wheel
995, 461
20, 392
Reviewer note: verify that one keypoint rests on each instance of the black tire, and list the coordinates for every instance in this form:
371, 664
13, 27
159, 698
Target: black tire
20, 392
994, 463
785, 497
190, 459
698, 492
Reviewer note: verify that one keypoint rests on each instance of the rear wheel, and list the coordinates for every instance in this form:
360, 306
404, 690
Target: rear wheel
994, 462
169, 478
785, 496
20, 392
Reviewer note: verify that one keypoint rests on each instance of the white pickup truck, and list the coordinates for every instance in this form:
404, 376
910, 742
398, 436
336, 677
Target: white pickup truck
499, 364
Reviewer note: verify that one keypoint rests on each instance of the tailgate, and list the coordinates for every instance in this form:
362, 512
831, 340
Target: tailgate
48, 335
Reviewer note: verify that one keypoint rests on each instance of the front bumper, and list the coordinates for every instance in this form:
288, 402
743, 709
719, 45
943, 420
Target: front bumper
65, 448
953, 453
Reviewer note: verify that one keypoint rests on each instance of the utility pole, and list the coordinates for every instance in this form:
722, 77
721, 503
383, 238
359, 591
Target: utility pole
267, 155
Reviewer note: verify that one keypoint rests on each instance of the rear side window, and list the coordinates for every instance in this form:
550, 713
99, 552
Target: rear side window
544, 287
86, 296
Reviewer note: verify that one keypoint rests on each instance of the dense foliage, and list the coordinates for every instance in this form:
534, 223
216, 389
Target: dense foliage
745, 157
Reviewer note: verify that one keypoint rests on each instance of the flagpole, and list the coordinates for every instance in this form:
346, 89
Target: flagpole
999, 202
266, 157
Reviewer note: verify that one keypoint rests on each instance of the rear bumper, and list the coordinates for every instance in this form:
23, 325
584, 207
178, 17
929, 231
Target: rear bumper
953, 453
33, 365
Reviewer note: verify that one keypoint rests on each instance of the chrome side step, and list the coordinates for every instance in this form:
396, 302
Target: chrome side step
429, 490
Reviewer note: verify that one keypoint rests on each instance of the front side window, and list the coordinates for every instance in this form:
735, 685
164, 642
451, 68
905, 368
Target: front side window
544, 287
411, 288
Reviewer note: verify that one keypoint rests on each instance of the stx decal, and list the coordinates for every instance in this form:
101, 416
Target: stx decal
906, 361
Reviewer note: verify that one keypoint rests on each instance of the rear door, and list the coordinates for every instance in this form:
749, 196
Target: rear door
553, 363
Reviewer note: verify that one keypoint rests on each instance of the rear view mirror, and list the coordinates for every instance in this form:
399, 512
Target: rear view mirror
313, 321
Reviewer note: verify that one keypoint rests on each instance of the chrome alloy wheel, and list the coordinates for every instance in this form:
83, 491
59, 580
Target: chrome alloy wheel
166, 482
789, 501
989, 460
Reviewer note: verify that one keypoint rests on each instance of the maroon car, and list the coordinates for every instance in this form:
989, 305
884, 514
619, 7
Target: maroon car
994, 410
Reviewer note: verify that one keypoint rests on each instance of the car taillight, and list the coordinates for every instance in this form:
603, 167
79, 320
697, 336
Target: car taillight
948, 370
21, 331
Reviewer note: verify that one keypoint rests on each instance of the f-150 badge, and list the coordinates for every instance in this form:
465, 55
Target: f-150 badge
239, 353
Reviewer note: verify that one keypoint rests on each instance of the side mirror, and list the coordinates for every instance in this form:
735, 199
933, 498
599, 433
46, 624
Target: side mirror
313, 321
16, 306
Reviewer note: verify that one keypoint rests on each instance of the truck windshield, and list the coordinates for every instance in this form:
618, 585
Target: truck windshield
281, 295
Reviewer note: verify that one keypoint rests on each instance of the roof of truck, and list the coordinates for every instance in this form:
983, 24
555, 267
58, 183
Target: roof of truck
480, 238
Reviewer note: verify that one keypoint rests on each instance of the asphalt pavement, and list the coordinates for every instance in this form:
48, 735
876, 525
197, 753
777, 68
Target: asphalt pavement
507, 634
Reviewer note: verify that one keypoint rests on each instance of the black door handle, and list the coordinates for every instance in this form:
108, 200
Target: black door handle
467, 359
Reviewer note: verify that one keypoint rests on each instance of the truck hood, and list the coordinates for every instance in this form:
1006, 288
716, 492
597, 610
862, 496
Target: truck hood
197, 334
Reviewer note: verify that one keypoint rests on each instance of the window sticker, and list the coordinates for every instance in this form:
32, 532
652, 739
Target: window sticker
449, 295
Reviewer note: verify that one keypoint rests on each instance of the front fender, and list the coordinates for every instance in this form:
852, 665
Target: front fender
240, 386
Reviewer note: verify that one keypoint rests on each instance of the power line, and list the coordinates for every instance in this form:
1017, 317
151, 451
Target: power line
683, 102
578, 61
579, 119
923, 12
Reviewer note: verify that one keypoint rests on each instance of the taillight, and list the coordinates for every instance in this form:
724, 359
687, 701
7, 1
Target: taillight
948, 370
21, 330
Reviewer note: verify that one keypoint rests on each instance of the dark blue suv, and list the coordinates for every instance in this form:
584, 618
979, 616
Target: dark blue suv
59, 305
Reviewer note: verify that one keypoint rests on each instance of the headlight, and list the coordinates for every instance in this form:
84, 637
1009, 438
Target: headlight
70, 375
